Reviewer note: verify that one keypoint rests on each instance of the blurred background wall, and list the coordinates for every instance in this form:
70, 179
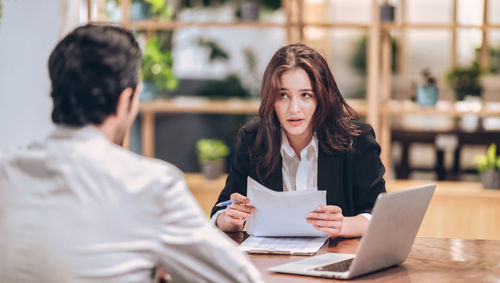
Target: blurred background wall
28, 32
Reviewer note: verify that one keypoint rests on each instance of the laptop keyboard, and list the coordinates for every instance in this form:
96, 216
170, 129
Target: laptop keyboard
340, 266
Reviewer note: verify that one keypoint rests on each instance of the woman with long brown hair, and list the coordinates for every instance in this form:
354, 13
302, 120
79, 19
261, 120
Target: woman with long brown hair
306, 138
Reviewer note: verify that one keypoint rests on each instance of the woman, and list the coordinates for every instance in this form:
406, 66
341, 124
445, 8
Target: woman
307, 137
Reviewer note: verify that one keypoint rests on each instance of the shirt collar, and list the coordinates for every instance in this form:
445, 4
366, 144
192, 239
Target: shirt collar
287, 149
80, 133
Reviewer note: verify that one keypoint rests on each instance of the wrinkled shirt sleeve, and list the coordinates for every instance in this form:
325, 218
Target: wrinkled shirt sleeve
192, 250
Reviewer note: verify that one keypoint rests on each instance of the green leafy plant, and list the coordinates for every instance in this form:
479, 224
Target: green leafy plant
465, 80
215, 51
494, 56
427, 78
231, 85
490, 161
157, 65
160, 9
211, 149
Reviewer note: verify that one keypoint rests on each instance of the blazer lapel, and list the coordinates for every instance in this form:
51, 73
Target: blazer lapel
329, 179
275, 180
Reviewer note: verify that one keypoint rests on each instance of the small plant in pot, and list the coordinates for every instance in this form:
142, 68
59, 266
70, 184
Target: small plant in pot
211, 154
427, 91
465, 81
489, 167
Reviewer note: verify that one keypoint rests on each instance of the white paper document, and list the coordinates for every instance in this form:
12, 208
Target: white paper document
283, 245
282, 214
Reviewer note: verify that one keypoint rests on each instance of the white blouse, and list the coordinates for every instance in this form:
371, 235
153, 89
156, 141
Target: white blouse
301, 174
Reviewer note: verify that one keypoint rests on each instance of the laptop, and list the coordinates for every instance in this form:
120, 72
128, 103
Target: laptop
387, 241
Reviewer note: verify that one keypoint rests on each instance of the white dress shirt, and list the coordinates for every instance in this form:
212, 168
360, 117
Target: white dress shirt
299, 174
77, 208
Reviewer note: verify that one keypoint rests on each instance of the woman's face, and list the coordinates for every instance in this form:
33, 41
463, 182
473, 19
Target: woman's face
296, 104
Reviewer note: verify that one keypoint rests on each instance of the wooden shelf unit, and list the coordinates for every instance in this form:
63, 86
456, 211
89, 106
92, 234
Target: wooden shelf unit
376, 108
394, 108
149, 110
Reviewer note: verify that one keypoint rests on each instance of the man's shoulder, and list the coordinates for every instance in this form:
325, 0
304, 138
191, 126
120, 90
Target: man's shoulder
148, 167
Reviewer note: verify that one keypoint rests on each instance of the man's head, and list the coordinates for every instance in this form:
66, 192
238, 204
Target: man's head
95, 73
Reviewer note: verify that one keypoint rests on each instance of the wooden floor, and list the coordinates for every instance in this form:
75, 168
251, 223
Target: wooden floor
457, 209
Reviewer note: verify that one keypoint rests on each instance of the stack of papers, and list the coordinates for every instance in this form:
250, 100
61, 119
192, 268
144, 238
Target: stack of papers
283, 245
282, 214
278, 226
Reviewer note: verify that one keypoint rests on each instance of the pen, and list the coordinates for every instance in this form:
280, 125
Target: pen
225, 203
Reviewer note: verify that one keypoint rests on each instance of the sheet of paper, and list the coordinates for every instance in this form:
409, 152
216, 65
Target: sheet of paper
282, 214
283, 245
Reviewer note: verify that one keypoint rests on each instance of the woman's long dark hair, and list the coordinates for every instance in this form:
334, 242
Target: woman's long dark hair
333, 120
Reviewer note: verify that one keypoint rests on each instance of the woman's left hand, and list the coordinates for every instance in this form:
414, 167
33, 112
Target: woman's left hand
327, 218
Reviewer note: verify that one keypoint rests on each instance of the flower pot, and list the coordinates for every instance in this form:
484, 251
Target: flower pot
387, 13
249, 11
212, 169
140, 11
462, 93
491, 179
148, 92
427, 95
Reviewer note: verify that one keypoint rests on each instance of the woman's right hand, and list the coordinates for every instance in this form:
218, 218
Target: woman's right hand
235, 215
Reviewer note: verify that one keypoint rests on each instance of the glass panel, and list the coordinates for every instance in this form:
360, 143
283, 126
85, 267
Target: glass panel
197, 53
339, 46
427, 49
470, 12
104, 10
429, 11
491, 81
494, 39
468, 40
493, 14
350, 11
83, 13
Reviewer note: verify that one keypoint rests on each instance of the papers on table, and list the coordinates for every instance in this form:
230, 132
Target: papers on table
282, 214
283, 245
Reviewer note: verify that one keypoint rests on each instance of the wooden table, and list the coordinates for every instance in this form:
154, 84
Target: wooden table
430, 260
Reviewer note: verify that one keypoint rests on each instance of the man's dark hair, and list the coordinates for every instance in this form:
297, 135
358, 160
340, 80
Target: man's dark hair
89, 69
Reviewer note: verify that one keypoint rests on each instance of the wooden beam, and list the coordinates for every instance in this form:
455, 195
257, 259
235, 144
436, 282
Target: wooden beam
386, 86
286, 5
89, 11
148, 133
453, 53
484, 59
301, 20
372, 95
402, 40
126, 13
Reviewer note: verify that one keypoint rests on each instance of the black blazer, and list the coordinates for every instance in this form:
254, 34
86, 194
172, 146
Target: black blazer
352, 179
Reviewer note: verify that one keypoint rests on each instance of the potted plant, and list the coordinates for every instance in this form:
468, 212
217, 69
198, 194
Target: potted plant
427, 91
211, 154
157, 73
465, 81
489, 167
